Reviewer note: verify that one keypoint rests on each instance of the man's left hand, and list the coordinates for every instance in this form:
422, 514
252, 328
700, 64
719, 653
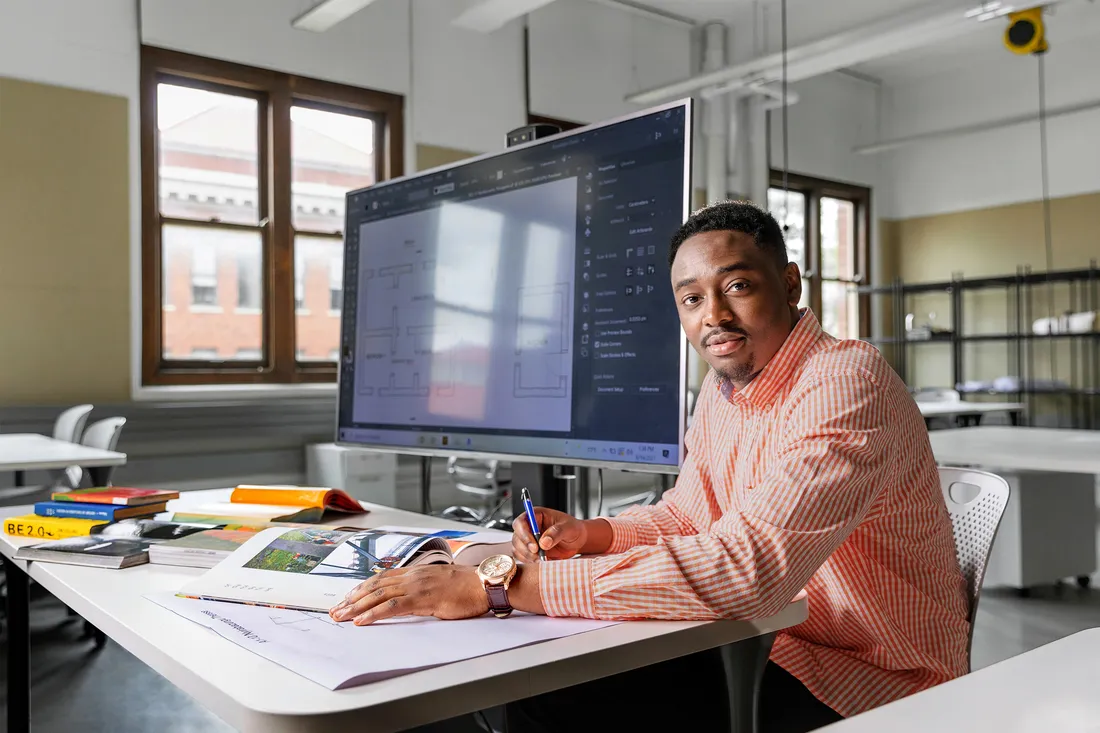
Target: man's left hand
443, 591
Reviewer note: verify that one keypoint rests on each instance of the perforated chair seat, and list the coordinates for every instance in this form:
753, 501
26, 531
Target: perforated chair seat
974, 522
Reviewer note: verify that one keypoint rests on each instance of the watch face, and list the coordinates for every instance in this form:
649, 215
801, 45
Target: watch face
496, 566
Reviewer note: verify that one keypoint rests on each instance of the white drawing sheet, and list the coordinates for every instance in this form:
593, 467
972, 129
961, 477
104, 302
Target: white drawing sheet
343, 655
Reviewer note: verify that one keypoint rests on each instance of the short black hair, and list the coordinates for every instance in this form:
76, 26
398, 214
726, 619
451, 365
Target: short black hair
734, 216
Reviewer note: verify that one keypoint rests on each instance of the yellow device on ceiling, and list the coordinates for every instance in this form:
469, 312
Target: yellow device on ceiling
1025, 33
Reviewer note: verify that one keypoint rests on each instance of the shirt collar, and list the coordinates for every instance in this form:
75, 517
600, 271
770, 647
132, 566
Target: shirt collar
778, 372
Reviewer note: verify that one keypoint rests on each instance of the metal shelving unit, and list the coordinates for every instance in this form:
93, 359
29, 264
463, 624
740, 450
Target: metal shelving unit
1081, 396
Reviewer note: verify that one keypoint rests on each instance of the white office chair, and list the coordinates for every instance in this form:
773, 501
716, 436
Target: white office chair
103, 435
68, 426
975, 516
489, 480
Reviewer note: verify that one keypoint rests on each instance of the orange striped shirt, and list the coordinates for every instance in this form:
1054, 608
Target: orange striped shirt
816, 475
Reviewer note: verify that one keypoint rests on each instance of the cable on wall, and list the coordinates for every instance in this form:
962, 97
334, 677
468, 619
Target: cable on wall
1048, 237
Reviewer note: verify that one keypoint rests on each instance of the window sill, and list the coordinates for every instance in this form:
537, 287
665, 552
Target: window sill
167, 308
241, 311
206, 309
224, 392
334, 313
301, 311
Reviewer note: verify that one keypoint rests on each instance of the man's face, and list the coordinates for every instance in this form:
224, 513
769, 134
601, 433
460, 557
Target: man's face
737, 305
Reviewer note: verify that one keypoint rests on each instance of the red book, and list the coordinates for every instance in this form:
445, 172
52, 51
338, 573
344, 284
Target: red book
116, 495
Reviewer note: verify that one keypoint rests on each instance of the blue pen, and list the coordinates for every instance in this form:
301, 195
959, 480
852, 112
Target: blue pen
531, 521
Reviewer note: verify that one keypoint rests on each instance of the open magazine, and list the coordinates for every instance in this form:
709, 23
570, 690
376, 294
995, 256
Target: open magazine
312, 568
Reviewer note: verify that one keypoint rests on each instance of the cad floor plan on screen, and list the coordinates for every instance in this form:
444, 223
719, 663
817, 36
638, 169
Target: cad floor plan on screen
473, 327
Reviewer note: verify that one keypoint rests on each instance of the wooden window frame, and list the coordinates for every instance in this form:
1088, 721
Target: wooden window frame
814, 189
277, 93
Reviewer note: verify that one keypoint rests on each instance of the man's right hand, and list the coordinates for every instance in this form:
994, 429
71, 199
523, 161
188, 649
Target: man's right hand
563, 536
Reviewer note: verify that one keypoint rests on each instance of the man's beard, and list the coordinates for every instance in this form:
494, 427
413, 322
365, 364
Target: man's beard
739, 374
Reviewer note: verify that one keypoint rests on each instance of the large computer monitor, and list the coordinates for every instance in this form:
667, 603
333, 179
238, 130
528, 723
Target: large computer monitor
518, 305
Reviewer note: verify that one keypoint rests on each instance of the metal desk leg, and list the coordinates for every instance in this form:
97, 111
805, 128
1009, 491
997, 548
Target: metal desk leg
20, 478
425, 485
744, 663
19, 649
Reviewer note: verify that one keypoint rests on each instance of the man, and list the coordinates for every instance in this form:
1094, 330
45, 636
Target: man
808, 467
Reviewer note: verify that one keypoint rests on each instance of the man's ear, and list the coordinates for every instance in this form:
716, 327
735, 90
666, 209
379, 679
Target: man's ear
792, 277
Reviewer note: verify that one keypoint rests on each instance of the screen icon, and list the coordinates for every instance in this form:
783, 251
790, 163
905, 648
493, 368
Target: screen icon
584, 353
641, 251
630, 290
629, 271
651, 249
584, 326
664, 453
588, 263
651, 269
584, 308
586, 295
584, 339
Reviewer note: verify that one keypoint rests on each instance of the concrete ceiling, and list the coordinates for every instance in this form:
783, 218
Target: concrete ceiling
810, 20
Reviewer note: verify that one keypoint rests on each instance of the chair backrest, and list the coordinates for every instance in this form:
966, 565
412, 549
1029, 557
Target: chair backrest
104, 434
975, 515
937, 394
69, 425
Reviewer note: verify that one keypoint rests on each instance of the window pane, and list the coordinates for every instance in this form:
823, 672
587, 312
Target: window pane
838, 238
207, 156
331, 154
840, 309
789, 209
318, 286
208, 272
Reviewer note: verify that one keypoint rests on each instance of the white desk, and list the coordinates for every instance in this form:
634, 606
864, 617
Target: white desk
21, 452
252, 694
1049, 527
1026, 449
970, 410
1053, 688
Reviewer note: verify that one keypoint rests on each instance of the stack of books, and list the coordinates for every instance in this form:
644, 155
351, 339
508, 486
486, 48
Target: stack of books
77, 513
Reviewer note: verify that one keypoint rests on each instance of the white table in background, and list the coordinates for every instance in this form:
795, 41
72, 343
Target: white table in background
1049, 527
1055, 688
21, 452
968, 411
253, 694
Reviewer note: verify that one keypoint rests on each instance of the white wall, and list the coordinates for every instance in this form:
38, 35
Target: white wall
1001, 166
834, 114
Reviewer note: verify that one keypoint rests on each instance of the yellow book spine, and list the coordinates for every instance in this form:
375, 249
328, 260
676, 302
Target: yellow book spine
49, 528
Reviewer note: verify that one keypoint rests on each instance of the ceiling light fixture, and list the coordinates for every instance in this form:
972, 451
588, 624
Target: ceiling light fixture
328, 13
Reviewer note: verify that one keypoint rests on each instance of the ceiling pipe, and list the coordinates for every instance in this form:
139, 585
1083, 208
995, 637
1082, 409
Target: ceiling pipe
902, 32
976, 128
717, 117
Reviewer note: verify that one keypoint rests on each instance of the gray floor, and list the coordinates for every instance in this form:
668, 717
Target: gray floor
76, 688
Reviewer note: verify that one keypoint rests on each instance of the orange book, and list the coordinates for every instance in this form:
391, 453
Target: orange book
297, 496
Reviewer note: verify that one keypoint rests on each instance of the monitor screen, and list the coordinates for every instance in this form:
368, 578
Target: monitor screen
518, 305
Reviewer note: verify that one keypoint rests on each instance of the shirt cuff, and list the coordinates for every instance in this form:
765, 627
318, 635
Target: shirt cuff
565, 587
624, 535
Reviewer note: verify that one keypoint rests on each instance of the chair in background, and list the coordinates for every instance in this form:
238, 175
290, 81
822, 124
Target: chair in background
975, 516
103, 435
937, 394
489, 480
68, 426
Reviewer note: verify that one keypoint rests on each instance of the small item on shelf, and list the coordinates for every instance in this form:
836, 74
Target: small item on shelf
1066, 323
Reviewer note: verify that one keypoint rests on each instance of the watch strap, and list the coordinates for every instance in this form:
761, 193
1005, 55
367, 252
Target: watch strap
498, 600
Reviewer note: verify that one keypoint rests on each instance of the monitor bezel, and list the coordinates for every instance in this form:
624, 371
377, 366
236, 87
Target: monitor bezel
446, 452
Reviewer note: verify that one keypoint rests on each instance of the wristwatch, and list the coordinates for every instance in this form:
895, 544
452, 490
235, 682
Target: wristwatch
496, 573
